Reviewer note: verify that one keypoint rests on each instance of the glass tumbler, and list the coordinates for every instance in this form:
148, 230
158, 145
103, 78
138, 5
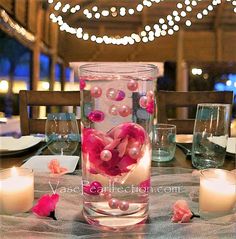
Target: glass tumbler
164, 142
211, 130
117, 103
62, 133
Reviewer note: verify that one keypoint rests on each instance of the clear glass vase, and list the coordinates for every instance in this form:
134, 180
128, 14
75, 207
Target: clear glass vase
117, 109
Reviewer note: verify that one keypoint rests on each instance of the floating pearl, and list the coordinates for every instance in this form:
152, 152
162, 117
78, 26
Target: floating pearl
150, 107
96, 91
111, 93
107, 195
124, 110
113, 203
82, 84
113, 110
105, 155
96, 184
120, 95
143, 102
132, 85
96, 116
150, 95
134, 152
123, 206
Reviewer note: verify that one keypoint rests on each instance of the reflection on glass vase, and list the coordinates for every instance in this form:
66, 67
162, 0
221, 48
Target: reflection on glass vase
117, 103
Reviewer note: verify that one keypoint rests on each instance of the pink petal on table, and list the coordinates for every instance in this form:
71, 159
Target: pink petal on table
181, 212
45, 205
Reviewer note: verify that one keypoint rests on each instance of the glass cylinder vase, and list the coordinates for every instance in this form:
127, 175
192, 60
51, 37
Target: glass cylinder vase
117, 108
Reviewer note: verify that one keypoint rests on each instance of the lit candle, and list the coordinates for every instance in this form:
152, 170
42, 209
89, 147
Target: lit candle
16, 190
217, 195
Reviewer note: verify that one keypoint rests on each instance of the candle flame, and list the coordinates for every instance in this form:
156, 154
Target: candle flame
14, 172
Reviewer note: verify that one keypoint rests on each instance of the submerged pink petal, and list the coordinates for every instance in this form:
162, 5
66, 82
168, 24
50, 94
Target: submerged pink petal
118, 141
122, 147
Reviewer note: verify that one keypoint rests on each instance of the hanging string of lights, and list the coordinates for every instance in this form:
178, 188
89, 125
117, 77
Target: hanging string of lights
164, 26
234, 4
95, 12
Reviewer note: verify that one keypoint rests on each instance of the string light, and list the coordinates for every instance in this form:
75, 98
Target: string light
113, 11
164, 26
11, 24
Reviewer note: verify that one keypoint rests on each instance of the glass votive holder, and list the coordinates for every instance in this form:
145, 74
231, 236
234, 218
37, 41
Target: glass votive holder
164, 142
16, 190
217, 193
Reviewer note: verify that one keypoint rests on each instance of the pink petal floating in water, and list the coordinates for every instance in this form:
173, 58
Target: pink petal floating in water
122, 147
113, 144
125, 136
96, 116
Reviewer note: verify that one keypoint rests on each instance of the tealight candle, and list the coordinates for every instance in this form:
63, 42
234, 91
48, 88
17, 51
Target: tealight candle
16, 190
217, 195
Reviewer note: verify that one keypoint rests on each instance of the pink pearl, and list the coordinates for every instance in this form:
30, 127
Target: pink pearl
96, 116
132, 85
134, 152
96, 91
143, 102
111, 93
124, 206
120, 95
124, 110
82, 84
105, 155
150, 95
113, 110
113, 203
150, 107
107, 195
95, 187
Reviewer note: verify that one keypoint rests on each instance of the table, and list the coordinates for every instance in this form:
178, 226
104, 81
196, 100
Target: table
180, 159
177, 183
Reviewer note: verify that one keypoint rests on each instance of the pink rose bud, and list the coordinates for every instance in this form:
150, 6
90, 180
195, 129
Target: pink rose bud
181, 212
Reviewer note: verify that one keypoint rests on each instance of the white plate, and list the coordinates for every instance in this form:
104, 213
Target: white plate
184, 138
231, 145
188, 138
40, 163
10, 144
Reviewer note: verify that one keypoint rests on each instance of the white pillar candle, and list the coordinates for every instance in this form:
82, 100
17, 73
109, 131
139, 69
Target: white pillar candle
217, 195
16, 190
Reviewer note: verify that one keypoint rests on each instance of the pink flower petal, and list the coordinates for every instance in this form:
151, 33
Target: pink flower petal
45, 205
181, 212
122, 147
